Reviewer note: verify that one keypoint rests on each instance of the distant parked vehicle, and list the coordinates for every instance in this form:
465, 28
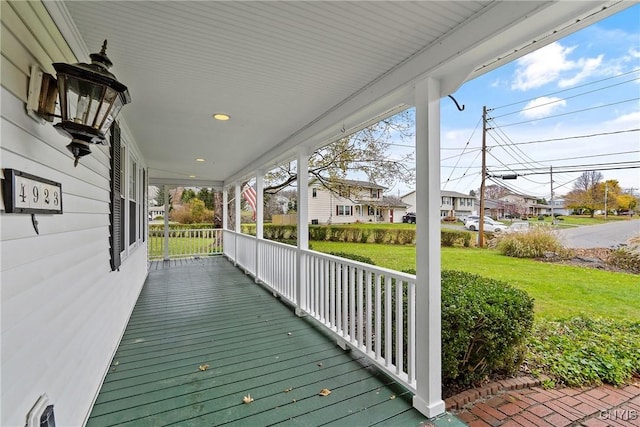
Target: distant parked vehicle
490, 226
474, 218
518, 227
409, 218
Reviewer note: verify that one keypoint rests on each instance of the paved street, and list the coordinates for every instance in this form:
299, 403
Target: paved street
606, 235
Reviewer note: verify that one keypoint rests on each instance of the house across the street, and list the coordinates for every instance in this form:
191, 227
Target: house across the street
353, 201
452, 204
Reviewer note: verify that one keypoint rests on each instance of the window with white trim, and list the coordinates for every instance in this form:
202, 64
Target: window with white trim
344, 210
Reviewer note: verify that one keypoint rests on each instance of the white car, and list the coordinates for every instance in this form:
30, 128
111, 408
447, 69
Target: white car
490, 226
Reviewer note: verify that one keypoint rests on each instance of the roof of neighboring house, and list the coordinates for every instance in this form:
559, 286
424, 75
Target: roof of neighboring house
353, 183
455, 194
526, 196
385, 202
446, 194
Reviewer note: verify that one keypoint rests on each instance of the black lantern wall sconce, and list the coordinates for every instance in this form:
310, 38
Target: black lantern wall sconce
90, 98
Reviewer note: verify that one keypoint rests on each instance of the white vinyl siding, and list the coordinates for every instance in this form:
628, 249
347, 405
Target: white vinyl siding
63, 309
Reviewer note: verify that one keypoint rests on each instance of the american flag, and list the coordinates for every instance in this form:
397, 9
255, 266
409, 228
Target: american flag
249, 194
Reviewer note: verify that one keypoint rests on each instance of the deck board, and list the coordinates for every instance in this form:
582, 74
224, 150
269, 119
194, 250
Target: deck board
205, 311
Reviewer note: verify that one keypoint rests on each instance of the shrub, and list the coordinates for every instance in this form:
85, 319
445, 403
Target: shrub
318, 233
354, 257
485, 324
449, 238
530, 244
625, 259
379, 235
583, 351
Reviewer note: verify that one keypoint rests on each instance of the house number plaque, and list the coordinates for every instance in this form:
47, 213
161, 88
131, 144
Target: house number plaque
30, 194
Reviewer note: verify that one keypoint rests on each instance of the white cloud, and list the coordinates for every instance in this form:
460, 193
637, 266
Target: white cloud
634, 53
627, 119
542, 66
587, 68
549, 64
542, 107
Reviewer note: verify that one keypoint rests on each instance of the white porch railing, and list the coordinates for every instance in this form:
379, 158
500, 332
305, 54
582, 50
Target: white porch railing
277, 266
185, 243
369, 309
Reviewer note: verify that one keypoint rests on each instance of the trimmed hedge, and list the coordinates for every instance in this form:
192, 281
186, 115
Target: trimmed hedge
485, 327
354, 257
449, 238
334, 233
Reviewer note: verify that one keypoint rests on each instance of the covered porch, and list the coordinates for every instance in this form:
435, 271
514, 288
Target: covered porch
203, 335
288, 77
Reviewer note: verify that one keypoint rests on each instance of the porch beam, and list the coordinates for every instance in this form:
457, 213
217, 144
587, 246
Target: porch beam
428, 397
303, 228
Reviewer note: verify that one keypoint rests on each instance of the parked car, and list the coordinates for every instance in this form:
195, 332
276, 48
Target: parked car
475, 218
489, 225
409, 218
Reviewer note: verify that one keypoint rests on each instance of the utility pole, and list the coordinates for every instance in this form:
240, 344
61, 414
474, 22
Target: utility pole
606, 191
484, 177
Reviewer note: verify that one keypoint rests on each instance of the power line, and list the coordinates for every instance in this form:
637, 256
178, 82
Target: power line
564, 99
578, 168
577, 136
570, 112
462, 154
581, 157
636, 70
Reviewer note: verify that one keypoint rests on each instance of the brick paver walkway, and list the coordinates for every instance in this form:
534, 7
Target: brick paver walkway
535, 406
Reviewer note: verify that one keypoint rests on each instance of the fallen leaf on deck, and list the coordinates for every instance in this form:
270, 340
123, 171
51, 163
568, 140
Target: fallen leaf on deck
287, 390
320, 364
289, 333
203, 367
393, 396
247, 399
325, 392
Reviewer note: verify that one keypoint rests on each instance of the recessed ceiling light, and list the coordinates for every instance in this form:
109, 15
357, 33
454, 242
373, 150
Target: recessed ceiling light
192, 176
200, 159
221, 116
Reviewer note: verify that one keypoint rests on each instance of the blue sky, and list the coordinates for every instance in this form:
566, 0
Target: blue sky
587, 83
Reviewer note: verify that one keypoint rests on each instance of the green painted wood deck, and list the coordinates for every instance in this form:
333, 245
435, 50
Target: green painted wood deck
203, 335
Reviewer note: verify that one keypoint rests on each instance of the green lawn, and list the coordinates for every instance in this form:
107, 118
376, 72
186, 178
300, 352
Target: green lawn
571, 220
559, 291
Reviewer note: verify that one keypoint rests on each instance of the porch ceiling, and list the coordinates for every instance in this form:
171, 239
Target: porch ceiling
291, 73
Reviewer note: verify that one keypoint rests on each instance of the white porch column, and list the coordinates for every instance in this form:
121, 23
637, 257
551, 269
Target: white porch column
259, 218
303, 229
428, 398
237, 229
225, 208
165, 189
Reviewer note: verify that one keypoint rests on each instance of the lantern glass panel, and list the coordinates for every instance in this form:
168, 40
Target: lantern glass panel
83, 99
